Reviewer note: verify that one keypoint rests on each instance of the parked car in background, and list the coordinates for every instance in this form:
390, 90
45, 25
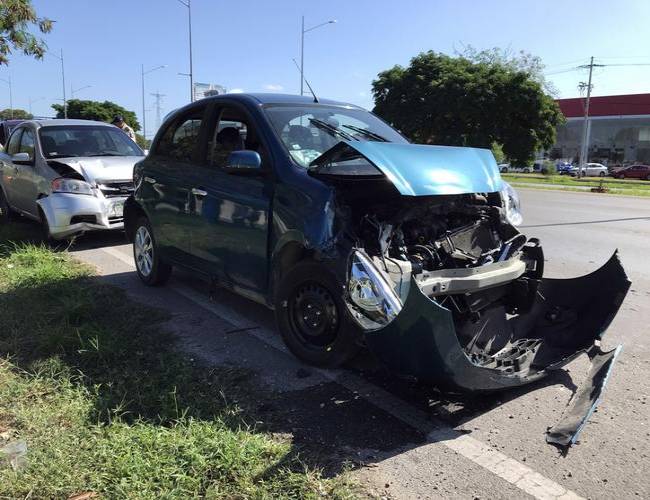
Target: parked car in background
563, 167
506, 168
354, 236
633, 172
70, 175
6, 126
590, 170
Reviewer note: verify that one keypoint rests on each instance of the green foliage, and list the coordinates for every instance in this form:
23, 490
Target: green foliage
15, 114
93, 384
16, 19
142, 142
95, 110
497, 151
548, 167
440, 99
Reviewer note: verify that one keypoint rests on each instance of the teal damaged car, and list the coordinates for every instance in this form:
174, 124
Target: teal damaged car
357, 238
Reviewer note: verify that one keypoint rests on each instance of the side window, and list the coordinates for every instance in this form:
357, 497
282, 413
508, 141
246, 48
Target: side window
181, 139
234, 132
27, 143
14, 141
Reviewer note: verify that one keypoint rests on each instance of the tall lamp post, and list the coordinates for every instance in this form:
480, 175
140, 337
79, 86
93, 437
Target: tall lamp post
32, 101
74, 91
302, 47
144, 113
11, 98
188, 4
65, 102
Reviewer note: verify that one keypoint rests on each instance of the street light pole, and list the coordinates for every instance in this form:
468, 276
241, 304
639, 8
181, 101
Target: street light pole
188, 4
72, 91
144, 113
32, 101
11, 98
302, 47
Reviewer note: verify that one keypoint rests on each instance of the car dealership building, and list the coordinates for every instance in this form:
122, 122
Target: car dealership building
618, 129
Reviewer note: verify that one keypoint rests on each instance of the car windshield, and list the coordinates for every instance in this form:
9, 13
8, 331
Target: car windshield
307, 131
63, 141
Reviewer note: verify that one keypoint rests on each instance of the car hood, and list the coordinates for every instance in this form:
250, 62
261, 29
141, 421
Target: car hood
98, 168
421, 170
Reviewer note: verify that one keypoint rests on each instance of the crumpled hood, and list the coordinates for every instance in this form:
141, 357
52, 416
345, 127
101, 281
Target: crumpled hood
421, 170
103, 168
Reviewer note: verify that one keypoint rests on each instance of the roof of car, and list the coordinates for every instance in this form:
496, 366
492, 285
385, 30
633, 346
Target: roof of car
264, 98
62, 121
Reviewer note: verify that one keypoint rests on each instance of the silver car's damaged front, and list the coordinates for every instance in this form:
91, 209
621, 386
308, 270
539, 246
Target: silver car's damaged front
84, 198
447, 290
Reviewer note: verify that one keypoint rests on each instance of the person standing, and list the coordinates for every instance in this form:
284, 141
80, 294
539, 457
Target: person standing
119, 122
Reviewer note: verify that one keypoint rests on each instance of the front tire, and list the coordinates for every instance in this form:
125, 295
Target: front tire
312, 317
151, 269
602, 174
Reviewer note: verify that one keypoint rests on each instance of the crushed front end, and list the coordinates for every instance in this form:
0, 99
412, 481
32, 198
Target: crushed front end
447, 290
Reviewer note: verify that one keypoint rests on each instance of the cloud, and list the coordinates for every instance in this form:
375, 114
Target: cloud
363, 94
236, 91
272, 86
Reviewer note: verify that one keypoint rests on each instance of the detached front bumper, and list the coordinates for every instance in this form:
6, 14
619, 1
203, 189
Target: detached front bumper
69, 214
568, 318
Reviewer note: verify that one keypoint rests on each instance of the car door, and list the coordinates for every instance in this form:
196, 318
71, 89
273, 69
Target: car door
27, 174
230, 210
9, 169
166, 183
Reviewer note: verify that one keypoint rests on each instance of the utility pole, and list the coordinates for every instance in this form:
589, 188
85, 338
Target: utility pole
158, 97
188, 4
584, 146
144, 111
11, 98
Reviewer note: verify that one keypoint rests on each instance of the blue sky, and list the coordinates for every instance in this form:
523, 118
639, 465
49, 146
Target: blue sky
249, 45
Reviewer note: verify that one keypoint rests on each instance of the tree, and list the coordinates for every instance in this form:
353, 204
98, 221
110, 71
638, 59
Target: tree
439, 99
16, 19
95, 110
18, 114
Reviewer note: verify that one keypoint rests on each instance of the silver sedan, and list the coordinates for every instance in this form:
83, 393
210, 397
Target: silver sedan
70, 175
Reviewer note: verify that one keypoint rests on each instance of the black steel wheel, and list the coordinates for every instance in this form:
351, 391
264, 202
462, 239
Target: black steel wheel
312, 317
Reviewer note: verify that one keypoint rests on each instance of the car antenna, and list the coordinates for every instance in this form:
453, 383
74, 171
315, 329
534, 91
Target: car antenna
308, 86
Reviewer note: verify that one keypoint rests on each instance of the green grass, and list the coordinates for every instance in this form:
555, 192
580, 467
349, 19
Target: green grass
93, 385
567, 183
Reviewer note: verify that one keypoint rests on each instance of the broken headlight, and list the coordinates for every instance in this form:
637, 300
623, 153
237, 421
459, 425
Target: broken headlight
371, 299
511, 205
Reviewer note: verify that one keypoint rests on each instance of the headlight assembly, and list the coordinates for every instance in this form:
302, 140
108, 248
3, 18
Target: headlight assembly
371, 299
511, 205
73, 186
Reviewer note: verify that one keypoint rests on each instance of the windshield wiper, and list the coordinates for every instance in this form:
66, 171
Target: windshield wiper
106, 154
331, 129
367, 133
53, 156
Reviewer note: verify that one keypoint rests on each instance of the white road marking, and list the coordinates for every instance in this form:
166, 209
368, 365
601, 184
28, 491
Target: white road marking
438, 433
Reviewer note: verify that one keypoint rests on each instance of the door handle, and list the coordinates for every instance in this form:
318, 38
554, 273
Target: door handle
199, 192
150, 180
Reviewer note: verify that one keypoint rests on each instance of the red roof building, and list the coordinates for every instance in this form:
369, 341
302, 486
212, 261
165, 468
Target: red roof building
618, 129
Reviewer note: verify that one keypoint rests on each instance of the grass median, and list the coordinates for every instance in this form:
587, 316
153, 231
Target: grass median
94, 399
628, 187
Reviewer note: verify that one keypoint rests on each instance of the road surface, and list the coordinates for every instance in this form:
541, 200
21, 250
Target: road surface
409, 441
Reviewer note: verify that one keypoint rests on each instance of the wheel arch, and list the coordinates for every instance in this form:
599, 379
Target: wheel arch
132, 211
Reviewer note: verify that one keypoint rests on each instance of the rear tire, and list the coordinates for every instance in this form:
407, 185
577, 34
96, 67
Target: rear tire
151, 269
602, 174
312, 317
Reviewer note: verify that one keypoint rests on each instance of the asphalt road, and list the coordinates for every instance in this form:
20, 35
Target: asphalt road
409, 441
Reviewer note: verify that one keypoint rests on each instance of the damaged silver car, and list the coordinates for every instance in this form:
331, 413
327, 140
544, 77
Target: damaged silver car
72, 176
355, 237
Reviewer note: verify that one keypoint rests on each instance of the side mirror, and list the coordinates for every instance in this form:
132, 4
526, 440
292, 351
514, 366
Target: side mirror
244, 161
21, 158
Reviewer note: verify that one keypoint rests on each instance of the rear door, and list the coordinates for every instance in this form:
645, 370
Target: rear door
230, 211
167, 182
